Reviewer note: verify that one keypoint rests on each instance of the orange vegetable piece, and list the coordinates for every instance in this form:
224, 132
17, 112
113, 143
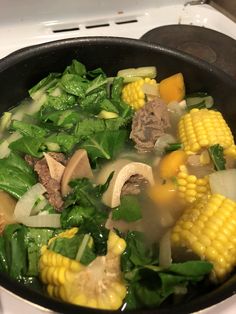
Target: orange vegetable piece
172, 88
169, 164
163, 194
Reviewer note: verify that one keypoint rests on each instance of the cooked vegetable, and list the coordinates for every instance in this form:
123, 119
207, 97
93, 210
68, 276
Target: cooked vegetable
197, 130
163, 194
223, 182
134, 93
217, 155
191, 188
128, 210
25, 204
41, 221
199, 100
98, 285
208, 229
133, 74
172, 88
170, 164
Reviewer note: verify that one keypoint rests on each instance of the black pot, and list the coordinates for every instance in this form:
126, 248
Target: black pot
22, 69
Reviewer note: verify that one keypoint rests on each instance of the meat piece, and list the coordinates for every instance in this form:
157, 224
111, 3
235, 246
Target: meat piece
149, 123
134, 185
52, 186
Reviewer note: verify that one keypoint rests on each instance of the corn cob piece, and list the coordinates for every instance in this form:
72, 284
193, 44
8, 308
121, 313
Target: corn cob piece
208, 228
203, 128
133, 93
98, 285
190, 188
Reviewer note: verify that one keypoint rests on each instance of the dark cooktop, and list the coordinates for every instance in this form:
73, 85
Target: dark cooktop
209, 45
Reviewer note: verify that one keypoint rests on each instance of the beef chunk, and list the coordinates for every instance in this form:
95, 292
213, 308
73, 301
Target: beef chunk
52, 186
149, 123
134, 185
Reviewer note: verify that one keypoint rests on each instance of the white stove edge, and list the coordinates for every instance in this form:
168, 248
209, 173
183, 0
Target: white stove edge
19, 35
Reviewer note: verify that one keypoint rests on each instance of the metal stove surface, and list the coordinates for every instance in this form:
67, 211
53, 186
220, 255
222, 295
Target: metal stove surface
28, 22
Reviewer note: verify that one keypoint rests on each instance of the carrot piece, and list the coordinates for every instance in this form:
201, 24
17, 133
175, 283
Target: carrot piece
172, 88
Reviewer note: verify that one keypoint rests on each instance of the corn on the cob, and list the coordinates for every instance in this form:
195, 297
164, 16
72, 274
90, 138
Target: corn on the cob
203, 128
98, 285
208, 228
191, 188
133, 93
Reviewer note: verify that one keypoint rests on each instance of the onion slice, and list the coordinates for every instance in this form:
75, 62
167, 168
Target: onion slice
42, 221
223, 182
26, 202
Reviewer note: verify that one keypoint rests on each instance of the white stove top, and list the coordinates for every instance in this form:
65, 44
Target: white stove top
28, 22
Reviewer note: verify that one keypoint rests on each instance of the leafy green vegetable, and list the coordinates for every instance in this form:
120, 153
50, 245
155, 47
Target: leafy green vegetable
16, 177
107, 105
20, 248
28, 129
69, 247
76, 67
116, 90
34, 239
137, 253
148, 283
199, 100
61, 102
15, 248
28, 145
92, 102
99, 234
128, 210
65, 141
105, 144
74, 84
217, 155
42, 86
74, 216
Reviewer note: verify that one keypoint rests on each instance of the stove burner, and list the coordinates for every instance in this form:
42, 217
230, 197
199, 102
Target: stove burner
209, 45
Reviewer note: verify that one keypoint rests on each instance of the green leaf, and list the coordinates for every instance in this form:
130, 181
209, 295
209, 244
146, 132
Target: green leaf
35, 238
99, 234
28, 129
217, 155
76, 67
116, 89
74, 216
137, 253
74, 84
191, 268
99, 82
28, 145
128, 210
107, 105
92, 102
106, 145
69, 247
15, 247
61, 102
42, 86
16, 177
65, 141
